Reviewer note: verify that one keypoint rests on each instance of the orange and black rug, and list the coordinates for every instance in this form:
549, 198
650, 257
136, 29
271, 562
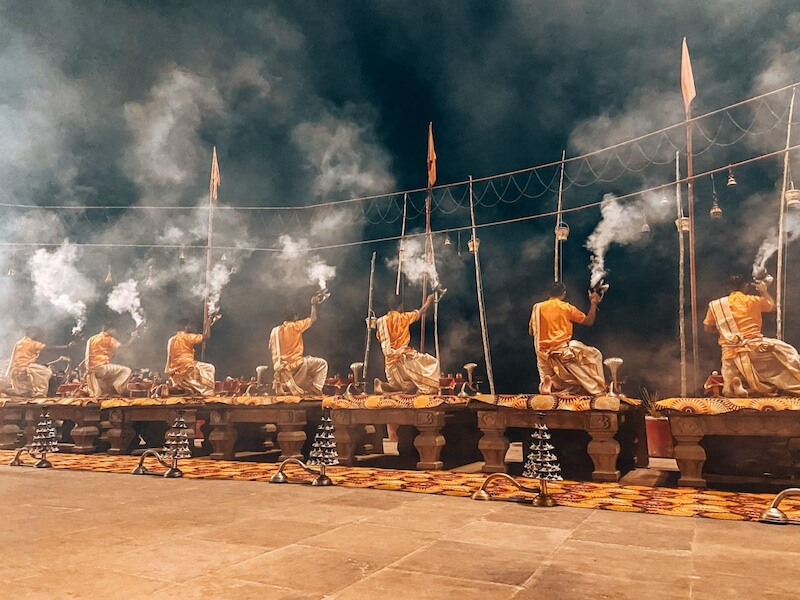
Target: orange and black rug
682, 502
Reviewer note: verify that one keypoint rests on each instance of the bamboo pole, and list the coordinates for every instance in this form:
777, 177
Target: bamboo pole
401, 251
692, 264
681, 273
209, 243
557, 249
370, 315
487, 356
780, 275
428, 248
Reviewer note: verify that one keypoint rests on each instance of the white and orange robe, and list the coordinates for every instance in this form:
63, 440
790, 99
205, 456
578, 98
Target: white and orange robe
27, 377
103, 377
572, 366
294, 373
407, 370
766, 366
183, 370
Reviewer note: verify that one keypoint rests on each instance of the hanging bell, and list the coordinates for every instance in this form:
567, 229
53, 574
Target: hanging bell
731, 179
223, 258
11, 271
716, 210
447, 241
682, 223
473, 244
109, 278
182, 256
664, 199
792, 197
562, 231
645, 227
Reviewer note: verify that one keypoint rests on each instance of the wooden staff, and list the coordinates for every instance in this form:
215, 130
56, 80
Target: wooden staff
212, 199
780, 276
681, 274
370, 316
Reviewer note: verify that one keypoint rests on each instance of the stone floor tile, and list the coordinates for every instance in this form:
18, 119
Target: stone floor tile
559, 583
777, 570
377, 541
561, 517
626, 529
407, 585
266, 532
209, 588
745, 587
510, 537
472, 561
756, 536
623, 562
306, 569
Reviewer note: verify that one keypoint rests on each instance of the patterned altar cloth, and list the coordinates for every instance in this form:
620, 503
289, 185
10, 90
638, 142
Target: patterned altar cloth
719, 406
393, 401
551, 402
683, 502
172, 400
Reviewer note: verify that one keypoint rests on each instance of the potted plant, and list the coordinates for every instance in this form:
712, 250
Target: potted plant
659, 436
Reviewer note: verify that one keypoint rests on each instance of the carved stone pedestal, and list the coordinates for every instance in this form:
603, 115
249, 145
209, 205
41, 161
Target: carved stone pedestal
688, 431
603, 428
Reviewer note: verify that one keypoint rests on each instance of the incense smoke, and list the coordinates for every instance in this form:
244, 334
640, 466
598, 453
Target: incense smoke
294, 255
411, 259
770, 244
218, 277
321, 272
622, 222
124, 298
57, 280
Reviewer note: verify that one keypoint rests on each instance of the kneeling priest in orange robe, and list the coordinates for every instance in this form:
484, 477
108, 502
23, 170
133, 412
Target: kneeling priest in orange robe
103, 377
27, 377
565, 365
752, 364
296, 374
184, 371
407, 370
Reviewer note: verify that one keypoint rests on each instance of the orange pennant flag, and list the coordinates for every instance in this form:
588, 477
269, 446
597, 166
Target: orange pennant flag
431, 157
214, 184
687, 78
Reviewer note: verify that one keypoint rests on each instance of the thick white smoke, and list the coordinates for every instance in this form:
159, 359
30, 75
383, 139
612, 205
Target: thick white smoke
57, 281
622, 222
301, 268
124, 298
413, 263
770, 244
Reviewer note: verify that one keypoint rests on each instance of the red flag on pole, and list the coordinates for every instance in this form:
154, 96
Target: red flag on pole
214, 184
431, 157
687, 78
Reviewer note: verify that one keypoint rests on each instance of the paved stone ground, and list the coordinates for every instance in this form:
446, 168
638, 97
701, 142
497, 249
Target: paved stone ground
94, 535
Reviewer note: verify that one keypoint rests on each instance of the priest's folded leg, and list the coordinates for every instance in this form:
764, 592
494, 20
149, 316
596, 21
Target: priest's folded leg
770, 368
575, 369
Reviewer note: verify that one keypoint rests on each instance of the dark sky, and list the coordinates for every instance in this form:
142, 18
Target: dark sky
119, 103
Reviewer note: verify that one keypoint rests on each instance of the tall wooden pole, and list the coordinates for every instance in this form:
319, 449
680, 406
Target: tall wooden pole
557, 242
209, 242
780, 276
681, 273
487, 355
428, 259
692, 264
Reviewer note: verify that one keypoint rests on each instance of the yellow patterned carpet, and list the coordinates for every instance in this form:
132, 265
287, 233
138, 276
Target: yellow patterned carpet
606, 496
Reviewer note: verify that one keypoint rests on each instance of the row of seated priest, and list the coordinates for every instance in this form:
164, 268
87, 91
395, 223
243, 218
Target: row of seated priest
752, 365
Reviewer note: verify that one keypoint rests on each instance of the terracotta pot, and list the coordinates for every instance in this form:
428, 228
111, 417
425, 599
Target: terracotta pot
659, 437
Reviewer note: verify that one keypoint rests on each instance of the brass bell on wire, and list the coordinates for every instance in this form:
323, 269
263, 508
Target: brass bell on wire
447, 241
716, 210
645, 227
682, 224
562, 231
182, 256
473, 244
731, 179
792, 196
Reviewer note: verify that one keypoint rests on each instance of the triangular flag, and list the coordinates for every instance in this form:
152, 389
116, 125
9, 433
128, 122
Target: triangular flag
431, 157
687, 78
214, 184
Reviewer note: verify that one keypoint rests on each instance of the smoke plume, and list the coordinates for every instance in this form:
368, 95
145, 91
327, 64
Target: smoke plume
124, 298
